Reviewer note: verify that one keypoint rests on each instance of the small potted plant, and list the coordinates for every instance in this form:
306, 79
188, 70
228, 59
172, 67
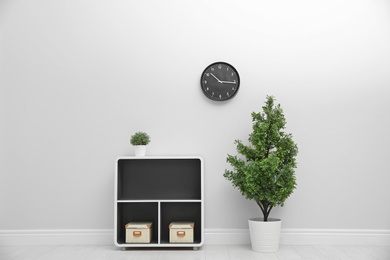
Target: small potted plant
265, 173
140, 140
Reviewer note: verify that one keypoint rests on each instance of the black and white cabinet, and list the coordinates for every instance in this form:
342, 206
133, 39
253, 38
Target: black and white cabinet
160, 190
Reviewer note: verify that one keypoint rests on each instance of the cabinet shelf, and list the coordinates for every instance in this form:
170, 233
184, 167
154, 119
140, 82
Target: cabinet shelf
125, 201
160, 190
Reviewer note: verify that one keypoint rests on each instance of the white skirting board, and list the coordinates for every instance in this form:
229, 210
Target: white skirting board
56, 237
305, 236
212, 236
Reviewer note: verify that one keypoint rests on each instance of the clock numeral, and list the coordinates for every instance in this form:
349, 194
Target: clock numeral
205, 82
220, 96
233, 89
212, 69
212, 94
232, 73
219, 66
207, 74
227, 68
207, 89
227, 93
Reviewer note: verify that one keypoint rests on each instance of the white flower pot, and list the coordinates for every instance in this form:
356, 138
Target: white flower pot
265, 235
140, 150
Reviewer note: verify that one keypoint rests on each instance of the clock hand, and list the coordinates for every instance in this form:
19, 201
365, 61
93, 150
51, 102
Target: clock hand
228, 82
215, 77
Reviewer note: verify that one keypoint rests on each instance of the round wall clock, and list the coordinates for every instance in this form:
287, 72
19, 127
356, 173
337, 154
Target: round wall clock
220, 81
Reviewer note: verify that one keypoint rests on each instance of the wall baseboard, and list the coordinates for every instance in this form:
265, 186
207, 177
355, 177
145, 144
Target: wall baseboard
212, 236
305, 236
336, 237
56, 237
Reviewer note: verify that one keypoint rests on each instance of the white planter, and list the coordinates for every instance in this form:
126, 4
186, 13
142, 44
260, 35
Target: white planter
140, 150
265, 235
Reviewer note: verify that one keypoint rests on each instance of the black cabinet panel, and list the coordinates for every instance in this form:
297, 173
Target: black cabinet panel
159, 179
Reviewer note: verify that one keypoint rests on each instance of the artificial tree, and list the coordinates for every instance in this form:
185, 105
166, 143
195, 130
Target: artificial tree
266, 174
140, 138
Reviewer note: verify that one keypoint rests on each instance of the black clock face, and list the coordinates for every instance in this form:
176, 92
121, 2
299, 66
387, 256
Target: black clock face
220, 81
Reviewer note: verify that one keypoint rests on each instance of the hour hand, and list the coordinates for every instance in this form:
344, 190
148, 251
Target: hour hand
215, 77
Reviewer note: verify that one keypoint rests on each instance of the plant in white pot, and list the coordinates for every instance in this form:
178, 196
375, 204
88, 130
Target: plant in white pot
140, 140
265, 172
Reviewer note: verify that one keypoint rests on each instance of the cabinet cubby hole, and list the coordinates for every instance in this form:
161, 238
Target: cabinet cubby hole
163, 179
181, 211
137, 211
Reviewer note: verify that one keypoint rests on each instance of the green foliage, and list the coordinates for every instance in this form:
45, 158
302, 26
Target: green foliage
266, 175
140, 138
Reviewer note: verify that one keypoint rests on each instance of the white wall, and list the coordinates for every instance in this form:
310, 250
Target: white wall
79, 77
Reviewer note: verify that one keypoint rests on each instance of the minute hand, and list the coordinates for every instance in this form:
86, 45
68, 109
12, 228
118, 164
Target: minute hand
215, 77
228, 82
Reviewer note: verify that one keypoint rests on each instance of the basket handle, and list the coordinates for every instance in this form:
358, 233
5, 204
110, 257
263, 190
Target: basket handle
137, 233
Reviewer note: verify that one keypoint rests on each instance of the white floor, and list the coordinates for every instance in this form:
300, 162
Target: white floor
209, 252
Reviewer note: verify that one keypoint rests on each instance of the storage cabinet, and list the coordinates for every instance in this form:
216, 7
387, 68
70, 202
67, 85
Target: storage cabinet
159, 190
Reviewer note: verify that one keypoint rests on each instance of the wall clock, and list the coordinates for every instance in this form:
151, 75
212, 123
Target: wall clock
220, 81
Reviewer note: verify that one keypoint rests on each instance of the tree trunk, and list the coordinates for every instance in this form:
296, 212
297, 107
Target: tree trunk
265, 207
